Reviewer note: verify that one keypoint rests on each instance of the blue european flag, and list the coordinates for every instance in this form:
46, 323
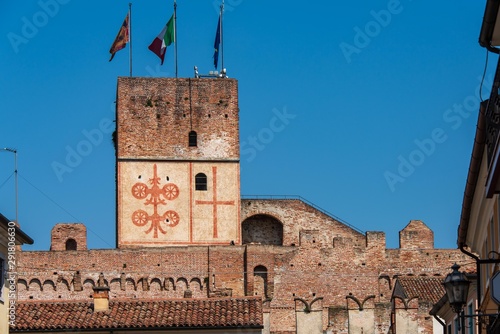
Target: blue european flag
217, 44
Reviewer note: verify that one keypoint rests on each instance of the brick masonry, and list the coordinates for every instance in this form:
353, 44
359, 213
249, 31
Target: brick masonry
359, 271
313, 272
157, 166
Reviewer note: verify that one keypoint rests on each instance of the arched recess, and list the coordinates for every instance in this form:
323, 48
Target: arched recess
260, 281
262, 229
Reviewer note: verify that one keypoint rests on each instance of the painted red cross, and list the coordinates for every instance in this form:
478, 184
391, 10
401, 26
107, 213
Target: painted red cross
215, 202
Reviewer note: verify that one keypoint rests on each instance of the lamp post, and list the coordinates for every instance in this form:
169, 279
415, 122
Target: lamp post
12, 150
456, 285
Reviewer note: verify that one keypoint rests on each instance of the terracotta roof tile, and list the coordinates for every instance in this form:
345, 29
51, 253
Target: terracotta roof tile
178, 313
424, 287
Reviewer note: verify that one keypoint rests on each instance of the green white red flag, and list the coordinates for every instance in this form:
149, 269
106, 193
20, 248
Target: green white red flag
164, 39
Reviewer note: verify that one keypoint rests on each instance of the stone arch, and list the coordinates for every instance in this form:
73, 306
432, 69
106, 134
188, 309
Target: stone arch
260, 281
262, 229
35, 285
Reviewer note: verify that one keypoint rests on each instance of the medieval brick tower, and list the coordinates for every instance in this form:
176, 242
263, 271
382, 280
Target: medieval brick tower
178, 171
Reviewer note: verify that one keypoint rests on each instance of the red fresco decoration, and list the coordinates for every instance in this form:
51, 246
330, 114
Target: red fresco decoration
157, 196
214, 202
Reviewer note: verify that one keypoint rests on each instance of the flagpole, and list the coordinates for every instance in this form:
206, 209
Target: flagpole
222, 35
175, 36
130, 35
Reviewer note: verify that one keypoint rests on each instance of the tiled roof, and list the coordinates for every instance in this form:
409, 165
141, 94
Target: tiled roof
424, 287
141, 314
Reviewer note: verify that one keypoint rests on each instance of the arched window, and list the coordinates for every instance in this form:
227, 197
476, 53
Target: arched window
200, 181
70, 244
193, 138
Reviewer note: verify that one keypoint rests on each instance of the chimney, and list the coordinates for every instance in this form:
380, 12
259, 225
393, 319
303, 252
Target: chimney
101, 299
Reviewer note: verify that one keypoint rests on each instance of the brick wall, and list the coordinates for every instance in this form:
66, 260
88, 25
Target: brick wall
71, 235
155, 116
329, 261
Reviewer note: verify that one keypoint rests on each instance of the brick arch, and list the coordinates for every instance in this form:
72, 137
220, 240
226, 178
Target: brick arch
265, 213
62, 283
34, 284
155, 284
262, 229
130, 282
115, 284
169, 284
260, 281
48, 285
195, 285
22, 285
89, 281
181, 285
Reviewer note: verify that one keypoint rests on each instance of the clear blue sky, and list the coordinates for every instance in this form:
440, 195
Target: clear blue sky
381, 98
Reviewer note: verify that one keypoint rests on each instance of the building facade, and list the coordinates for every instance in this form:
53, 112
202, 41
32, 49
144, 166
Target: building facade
184, 233
11, 239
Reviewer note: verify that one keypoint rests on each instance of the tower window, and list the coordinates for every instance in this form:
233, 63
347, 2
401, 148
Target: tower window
193, 138
70, 244
200, 181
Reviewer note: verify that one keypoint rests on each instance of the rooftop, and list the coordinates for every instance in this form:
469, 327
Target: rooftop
141, 314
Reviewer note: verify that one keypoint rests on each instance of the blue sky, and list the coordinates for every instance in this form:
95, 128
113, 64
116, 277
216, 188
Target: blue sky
376, 100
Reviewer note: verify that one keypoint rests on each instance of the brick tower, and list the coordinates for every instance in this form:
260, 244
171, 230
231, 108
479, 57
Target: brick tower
178, 171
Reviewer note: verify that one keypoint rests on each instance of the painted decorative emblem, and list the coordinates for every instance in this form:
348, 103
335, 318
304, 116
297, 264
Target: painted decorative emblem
155, 196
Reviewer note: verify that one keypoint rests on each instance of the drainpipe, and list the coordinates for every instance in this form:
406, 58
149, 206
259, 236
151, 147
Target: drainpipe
478, 273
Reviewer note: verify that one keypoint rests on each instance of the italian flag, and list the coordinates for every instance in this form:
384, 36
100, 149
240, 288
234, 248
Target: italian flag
164, 39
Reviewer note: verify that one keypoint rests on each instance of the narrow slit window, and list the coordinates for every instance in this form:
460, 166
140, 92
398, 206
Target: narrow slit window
193, 139
200, 181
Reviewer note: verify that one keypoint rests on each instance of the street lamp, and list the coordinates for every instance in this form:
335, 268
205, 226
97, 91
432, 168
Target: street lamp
456, 285
12, 150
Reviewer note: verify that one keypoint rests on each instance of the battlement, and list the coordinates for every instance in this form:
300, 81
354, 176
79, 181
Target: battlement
68, 236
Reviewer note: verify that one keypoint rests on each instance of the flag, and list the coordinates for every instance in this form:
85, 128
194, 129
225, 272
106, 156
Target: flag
121, 39
164, 39
217, 44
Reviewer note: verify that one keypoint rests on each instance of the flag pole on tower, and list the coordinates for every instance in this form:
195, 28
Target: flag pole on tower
222, 34
175, 36
130, 35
